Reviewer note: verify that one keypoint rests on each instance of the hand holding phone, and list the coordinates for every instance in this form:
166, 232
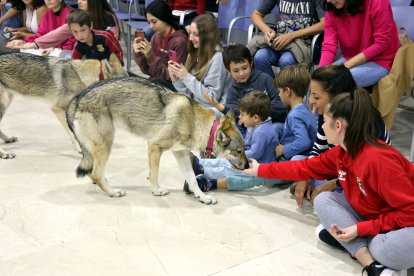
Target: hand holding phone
140, 34
173, 55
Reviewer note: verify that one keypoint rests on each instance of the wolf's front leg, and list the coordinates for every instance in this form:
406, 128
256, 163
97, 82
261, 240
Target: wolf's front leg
154, 156
184, 162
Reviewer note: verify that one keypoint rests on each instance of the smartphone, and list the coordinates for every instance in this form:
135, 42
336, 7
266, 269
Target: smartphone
7, 35
173, 55
140, 34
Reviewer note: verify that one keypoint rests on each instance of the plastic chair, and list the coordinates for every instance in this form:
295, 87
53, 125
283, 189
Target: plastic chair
395, 3
404, 17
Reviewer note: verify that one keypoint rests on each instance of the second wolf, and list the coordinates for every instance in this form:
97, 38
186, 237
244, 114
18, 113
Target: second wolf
167, 120
50, 79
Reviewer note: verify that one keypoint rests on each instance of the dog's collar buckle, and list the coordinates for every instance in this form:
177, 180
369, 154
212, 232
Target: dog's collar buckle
209, 148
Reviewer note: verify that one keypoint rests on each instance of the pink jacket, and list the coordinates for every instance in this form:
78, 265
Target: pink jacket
62, 33
50, 22
372, 32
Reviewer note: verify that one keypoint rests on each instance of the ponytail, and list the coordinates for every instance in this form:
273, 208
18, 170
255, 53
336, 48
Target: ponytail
356, 108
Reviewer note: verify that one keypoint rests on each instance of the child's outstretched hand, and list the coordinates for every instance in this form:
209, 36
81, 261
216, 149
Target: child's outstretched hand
212, 100
254, 167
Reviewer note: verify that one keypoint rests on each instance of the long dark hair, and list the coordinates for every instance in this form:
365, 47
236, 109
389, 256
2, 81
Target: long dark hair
351, 7
161, 10
97, 9
357, 110
20, 6
208, 35
334, 79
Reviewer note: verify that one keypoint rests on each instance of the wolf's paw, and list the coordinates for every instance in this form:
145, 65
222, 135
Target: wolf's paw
11, 140
7, 155
207, 199
160, 191
118, 193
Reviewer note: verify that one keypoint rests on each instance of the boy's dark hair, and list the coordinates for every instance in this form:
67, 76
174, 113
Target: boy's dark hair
255, 103
351, 7
236, 53
296, 77
79, 17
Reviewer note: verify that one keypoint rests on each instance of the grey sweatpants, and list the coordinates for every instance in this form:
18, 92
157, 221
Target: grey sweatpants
393, 249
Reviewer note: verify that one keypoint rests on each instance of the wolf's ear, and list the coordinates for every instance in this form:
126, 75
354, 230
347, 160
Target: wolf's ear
107, 69
230, 115
222, 138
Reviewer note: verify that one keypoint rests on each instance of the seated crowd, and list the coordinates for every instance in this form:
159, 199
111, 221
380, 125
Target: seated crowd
339, 157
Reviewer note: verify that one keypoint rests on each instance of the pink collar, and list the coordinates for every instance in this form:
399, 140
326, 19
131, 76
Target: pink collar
209, 148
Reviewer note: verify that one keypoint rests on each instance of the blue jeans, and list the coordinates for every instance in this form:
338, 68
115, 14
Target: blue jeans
366, 74
265, 58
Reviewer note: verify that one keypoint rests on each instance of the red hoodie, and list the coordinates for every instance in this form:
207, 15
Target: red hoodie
182, 5
378, 183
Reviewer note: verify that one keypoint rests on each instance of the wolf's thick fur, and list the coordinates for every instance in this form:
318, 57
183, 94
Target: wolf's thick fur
167, 120
49, 78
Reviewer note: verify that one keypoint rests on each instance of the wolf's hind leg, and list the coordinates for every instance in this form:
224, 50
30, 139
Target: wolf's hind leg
154, 156
184, 162
60, 113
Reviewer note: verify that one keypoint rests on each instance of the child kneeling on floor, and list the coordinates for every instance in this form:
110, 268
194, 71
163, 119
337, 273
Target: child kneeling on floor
295, 136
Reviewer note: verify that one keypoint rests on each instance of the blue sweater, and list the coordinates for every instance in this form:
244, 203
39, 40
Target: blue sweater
261, 142
299, 132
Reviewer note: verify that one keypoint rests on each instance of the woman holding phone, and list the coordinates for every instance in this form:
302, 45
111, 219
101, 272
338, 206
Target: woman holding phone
169, 40
204, 69
373, 217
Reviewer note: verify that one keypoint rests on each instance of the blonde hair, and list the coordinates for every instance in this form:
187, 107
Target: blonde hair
198, 58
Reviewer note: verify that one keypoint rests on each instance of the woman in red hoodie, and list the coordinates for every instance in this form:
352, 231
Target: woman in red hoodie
373, 218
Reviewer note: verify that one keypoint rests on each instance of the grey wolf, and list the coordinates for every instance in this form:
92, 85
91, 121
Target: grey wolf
167, 120
50, 79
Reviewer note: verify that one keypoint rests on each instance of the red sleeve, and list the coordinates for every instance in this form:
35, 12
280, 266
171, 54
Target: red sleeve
114, 47
320, 167
201, 7
75, 53
330, 40
393, 177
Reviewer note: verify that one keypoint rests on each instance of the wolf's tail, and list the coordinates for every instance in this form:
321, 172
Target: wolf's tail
86, 165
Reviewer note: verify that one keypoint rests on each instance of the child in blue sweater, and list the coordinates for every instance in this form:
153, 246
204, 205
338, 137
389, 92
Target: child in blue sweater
260, 137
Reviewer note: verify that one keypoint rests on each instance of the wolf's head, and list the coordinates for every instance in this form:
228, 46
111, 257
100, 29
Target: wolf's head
229, 143
112, 68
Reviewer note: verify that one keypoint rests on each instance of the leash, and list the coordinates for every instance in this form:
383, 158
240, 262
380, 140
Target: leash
209, 148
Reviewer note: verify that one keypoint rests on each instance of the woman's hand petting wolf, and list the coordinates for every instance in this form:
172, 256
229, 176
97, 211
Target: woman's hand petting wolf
253, 167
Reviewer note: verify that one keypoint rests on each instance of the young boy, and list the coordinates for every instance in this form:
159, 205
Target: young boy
295, 137
92, 44
260, 137
238, 62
